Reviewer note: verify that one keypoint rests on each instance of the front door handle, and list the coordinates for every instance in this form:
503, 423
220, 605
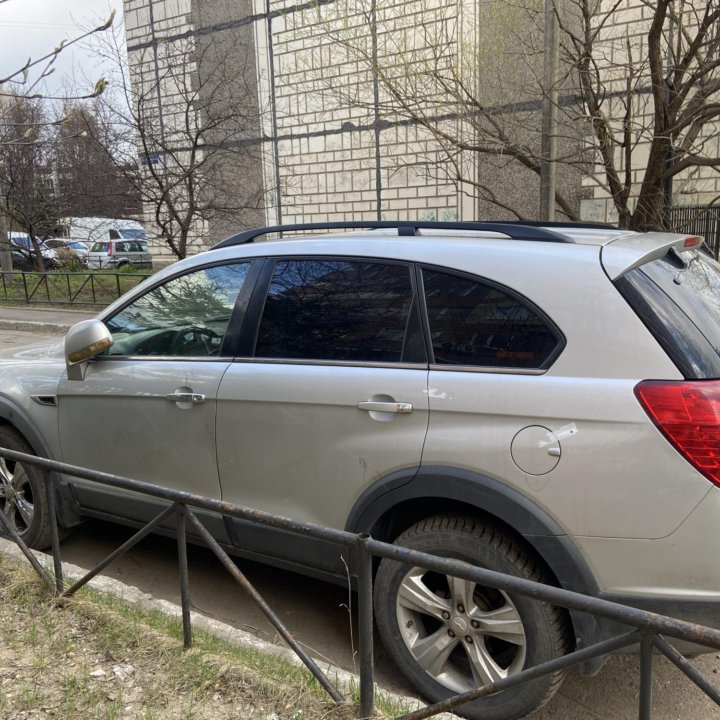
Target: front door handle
186, 397
400, 408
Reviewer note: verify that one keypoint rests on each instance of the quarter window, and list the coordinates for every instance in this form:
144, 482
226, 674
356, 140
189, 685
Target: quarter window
340, 310
475, 323
186, 316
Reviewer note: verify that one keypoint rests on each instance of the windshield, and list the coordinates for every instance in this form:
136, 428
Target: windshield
133, 234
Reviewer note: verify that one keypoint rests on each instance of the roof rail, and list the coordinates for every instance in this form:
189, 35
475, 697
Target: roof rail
514, 230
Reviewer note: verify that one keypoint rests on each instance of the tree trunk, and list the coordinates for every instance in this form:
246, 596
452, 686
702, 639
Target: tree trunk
650, 208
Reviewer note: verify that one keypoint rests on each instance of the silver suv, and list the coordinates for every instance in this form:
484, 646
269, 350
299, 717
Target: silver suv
540, 400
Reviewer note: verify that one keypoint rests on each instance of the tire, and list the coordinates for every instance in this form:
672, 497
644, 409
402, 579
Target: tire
445, 654
22, 493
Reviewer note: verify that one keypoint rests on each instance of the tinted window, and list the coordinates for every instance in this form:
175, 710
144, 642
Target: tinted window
99, 247
475, 323
678, 299
339, 310
114, 235
188, 315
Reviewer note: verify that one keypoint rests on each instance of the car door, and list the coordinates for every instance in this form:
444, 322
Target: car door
329, 400
146, 408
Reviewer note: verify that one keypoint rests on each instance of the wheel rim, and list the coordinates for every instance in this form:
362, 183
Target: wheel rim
16, 498
461, 634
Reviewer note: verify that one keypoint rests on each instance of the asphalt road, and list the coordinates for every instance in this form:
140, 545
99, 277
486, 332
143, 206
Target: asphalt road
317, 614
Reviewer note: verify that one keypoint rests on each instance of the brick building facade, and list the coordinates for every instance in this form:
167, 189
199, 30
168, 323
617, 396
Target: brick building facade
325, 146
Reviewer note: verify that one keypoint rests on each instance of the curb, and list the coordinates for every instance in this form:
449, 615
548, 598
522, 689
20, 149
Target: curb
347, 682
33, 326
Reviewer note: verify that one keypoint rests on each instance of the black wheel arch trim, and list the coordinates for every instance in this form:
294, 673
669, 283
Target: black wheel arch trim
15, 416
505, 503
20, 420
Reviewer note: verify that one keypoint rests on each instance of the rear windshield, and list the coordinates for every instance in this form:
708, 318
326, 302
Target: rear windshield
99, 247
678, 298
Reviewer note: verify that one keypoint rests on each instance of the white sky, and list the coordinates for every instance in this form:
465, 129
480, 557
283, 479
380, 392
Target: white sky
32, 28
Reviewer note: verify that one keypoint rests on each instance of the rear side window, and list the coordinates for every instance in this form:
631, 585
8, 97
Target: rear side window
473, 322
678, 298
343, 310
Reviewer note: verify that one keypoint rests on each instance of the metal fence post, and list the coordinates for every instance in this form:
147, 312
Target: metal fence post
365, 623
646, 666
54, 532
184, 576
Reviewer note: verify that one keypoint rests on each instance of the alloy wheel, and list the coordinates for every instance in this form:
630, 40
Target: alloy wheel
16, 496
462, 634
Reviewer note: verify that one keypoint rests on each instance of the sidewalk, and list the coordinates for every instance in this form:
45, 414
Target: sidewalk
48, 320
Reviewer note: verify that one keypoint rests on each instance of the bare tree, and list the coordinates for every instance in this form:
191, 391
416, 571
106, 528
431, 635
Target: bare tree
191, 103
652, 100
87, 181
637, 95
26, 195
21, 91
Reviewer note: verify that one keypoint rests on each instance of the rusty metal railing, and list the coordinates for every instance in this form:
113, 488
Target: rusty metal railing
649, 630
71, 288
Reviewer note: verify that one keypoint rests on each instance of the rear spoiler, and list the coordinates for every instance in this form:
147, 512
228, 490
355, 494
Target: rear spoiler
629, 251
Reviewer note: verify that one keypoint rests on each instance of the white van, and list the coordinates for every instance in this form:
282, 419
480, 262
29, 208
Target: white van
96, 229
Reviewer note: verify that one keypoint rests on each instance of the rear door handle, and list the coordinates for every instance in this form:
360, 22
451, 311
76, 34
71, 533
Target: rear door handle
400, 408
186, 397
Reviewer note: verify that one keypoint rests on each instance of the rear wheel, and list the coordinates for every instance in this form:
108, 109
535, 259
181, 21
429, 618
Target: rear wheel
22, 493
450, 635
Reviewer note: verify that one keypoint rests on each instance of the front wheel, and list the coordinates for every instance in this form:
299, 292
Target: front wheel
22, 493
449, 635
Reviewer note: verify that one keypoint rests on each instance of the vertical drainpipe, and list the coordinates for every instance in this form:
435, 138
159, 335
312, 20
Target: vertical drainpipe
156, 67
670, 156
376, 110
273, 110
549, 113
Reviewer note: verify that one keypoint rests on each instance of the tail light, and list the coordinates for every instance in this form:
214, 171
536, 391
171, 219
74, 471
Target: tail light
688, 414
109, 248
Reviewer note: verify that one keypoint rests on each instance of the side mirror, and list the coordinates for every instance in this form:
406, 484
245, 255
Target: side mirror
83, 341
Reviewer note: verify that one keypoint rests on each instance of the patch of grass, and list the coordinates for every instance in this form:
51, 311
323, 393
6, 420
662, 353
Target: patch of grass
93, 656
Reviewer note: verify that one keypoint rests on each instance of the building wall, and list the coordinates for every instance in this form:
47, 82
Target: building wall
327, 144
191, 79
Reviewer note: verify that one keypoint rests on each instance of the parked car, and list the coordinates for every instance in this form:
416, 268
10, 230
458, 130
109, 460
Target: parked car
21, 262
25, 249
68, 251
118, 254
541, 400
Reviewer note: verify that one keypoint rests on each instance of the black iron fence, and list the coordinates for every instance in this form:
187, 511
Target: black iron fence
698, 220
73, 288
647, 629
